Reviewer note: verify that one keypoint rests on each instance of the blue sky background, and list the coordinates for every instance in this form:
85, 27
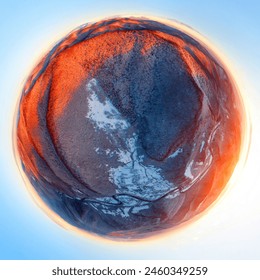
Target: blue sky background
230, 230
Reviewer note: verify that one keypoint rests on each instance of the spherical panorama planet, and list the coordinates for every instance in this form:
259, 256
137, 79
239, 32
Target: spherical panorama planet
128, 127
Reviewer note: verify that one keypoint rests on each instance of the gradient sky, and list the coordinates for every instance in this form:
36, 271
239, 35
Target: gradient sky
230, 230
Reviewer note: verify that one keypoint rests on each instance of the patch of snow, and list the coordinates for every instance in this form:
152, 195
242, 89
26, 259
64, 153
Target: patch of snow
138, 209
188, 173
175, 153
202, 145
103, 113
172, 195
135, 178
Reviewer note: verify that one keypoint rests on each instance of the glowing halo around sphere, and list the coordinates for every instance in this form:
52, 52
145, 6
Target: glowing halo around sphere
128, 127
